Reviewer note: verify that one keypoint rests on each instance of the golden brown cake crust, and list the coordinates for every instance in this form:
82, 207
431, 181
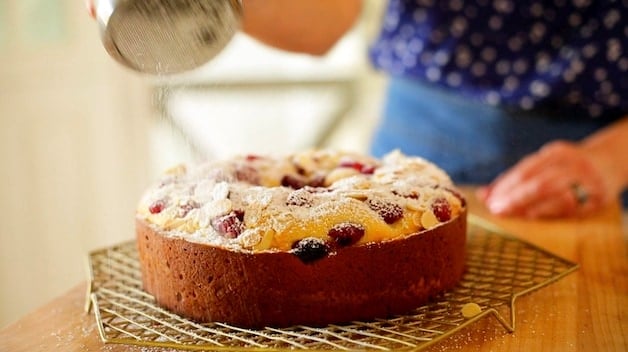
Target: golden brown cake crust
209, 283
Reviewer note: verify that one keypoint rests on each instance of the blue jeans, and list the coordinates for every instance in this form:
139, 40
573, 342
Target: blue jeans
472, 141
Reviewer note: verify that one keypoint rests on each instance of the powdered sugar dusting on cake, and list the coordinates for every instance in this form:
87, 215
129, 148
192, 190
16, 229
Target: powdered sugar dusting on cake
270, 202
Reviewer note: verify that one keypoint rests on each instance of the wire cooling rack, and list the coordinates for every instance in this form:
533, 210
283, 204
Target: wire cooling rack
499, 269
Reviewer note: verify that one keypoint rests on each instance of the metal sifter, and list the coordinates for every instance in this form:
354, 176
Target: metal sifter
166, 36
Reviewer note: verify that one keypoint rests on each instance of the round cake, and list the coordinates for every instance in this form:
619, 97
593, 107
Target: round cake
312, 238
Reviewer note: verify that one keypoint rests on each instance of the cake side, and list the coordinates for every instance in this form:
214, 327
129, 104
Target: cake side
310, 238
209, 283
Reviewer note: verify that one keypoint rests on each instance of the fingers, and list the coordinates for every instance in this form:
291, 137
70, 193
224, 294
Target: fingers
562, 204
91, 9
482, 193
527, 167
542, 185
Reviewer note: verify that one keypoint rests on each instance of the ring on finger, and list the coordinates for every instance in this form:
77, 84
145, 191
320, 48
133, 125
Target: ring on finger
580, 193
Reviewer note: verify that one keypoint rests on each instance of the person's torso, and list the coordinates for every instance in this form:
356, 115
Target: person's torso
524, 54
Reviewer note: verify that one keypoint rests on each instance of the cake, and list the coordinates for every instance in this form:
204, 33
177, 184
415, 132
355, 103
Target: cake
311, 238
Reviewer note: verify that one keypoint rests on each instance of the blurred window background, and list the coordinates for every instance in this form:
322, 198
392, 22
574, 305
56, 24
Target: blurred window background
255, 98
81, 137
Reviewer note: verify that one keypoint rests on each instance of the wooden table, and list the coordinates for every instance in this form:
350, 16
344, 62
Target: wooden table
585, 311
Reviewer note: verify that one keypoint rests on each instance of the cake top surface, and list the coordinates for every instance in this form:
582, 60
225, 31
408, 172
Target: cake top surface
308, 199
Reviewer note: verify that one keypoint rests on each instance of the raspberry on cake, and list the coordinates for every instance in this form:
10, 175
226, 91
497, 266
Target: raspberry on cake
312, 238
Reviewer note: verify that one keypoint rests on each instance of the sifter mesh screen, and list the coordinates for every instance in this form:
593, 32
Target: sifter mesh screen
500, 268
171, 35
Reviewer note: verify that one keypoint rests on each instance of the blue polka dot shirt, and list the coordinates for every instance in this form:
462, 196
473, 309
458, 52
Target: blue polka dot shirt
526, 54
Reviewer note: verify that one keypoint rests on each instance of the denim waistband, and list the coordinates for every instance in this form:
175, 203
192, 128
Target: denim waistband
473, 142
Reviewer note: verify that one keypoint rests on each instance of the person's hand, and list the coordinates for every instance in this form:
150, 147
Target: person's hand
561, 179
91, 8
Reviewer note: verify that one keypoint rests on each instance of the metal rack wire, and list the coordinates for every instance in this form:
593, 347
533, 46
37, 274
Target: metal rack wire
500, 268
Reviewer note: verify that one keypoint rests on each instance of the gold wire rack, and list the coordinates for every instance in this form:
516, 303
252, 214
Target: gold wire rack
500, 268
